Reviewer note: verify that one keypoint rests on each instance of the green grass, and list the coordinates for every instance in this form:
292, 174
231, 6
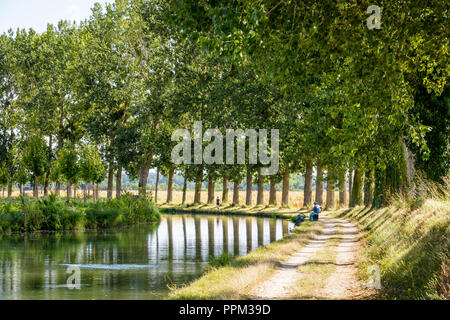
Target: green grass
51, 214
239, 276
409, 244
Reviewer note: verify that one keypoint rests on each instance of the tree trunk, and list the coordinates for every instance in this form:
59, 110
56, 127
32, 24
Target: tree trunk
410, 170
273, 192
342, 192
35, 188
21, 190
85, 186
110, 179
60, 146
69, 191
319, 184
10, 185
170, 186
225, 190
369, 186
285, 192
95, 192
236, 193
156, 185
47, 174
198, 185
46, 183
331, 194
357, 188
119, 182
342, 189
58, 188
260, 196
350, 186
211, 184
183, 201
143, 177
248, 194
307, 201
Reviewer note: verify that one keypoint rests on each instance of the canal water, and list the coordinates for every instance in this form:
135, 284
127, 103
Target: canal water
138, 262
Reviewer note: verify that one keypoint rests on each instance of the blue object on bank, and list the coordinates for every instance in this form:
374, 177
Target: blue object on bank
300, 219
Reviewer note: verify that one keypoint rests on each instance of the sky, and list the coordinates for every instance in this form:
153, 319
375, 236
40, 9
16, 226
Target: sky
36, 14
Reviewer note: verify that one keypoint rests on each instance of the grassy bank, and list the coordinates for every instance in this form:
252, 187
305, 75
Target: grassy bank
410, 246
236, 278
51, 214
261, 210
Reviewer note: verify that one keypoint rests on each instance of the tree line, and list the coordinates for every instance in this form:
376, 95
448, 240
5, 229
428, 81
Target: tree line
83, 103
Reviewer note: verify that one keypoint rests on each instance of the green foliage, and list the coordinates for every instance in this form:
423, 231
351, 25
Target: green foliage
222, 261
434, 112
51, 214
68, 164
92, 168
35, 157
124, 211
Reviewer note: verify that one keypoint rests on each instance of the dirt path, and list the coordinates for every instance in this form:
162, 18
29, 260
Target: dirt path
280, 284
342, 283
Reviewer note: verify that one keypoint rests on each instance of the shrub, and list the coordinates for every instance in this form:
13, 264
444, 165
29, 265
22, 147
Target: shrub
53, 215
223, 260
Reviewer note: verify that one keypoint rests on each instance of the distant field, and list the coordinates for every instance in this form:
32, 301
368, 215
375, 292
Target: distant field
295, 197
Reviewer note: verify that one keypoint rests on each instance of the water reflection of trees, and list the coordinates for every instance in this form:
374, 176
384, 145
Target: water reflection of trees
176, 251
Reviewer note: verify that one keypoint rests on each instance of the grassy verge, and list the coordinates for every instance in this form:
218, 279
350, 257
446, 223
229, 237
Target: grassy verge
410, 246
51, 214
265, 210
240, 276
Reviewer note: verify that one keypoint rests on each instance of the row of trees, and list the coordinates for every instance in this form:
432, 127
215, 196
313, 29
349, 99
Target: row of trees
86, 102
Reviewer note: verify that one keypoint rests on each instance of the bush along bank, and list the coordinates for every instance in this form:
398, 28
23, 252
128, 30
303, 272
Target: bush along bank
51, 214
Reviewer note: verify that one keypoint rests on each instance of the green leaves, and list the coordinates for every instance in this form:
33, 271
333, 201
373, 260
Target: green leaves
92, 168
69, 165
35, 157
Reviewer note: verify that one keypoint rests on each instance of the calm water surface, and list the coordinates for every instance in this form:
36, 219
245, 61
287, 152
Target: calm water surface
132, 263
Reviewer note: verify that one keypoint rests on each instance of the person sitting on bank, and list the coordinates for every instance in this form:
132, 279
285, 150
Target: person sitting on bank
316, 210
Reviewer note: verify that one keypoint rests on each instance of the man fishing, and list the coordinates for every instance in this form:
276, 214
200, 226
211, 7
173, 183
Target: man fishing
315, 214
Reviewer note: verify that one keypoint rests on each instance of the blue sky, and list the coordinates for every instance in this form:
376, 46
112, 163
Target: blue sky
37, 13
